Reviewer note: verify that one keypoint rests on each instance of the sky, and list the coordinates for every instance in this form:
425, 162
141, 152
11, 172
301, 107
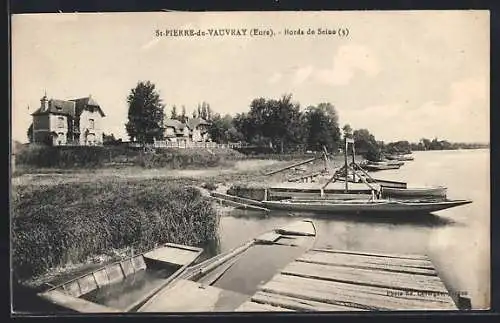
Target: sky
401, 75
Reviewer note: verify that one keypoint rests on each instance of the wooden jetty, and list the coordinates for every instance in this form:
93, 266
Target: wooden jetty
330, 280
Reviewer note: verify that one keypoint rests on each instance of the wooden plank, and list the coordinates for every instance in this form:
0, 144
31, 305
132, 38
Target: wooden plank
138, 263
376, 254
75, 304
258, 307
72, 288
359, 296
212, 276
298, 228
294, 241
291, 166
240, 205
115, 273
172, 255
87, 284
101, 277
189, 296
331, 196
391, 264
236, 198
297, 304
127, 267
366, 277
268, 237
384, 267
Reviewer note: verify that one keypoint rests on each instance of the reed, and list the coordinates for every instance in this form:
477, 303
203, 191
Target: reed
56, 225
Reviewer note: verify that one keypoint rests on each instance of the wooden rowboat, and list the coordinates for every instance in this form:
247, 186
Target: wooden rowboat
400, 157
122, 286
225, 282
363, 206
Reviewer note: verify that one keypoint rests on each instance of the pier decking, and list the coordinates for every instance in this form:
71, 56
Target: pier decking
328, 280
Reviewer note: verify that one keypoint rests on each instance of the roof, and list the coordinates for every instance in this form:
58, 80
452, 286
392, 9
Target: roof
174, 124
58, 107
82, 103
195, 122
71, 108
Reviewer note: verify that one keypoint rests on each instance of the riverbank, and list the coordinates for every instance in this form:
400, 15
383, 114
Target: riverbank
64, 220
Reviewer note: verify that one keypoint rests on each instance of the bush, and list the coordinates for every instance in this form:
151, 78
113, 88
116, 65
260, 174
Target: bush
69, 223
66, 156
178, 158
97, 156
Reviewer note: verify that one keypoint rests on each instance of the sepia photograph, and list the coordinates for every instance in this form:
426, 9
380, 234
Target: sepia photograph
244, 162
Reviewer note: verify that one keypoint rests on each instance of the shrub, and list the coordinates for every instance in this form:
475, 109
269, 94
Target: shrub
69, 223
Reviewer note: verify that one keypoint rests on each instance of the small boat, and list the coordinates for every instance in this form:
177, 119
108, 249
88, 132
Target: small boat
388, 162
124, 285
400, 157
422, 192
363, 206
227, 281
380, 166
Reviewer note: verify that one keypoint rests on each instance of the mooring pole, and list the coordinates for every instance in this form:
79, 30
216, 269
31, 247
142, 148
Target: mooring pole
353, 161
346, 168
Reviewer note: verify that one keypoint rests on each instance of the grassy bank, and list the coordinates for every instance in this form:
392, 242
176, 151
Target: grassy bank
32, 157
68, 223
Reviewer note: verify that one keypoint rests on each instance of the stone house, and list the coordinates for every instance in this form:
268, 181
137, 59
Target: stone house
68, 122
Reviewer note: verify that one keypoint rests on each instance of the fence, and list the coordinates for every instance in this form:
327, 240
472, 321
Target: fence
187, 144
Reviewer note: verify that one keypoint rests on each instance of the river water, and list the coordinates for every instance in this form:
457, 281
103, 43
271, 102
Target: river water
456, 240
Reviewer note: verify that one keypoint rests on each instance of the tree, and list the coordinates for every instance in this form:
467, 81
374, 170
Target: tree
145, 113
347, 131
194, 114
30, 133
366, 144
322, 127
199, 110
183, 118
173, 114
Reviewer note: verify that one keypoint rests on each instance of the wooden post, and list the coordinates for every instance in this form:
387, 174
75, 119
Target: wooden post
265, 194
346, 168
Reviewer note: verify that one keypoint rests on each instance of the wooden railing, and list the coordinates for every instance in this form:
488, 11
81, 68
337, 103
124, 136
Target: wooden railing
187, 144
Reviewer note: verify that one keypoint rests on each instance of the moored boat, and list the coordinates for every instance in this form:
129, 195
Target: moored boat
400, 157
363, 206
379, 166
124, 285
223, 283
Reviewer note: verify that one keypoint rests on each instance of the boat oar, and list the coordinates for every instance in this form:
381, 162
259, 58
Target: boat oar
293, 165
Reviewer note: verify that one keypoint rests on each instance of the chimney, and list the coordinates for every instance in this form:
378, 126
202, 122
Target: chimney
44, 103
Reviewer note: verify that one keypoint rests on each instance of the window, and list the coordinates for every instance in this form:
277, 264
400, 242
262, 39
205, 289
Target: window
60, 138
91, 123
60, 122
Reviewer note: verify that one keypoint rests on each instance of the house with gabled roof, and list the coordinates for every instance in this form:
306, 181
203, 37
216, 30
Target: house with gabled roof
194, 130
68, 122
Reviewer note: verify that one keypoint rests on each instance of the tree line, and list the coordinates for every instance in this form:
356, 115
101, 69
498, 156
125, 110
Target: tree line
280, 125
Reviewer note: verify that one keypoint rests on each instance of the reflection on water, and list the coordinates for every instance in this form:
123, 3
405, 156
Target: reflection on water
456, 240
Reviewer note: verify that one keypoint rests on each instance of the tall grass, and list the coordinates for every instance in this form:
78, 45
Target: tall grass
68, 223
